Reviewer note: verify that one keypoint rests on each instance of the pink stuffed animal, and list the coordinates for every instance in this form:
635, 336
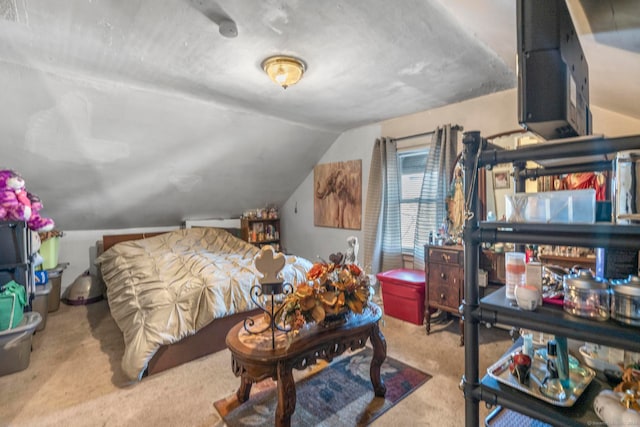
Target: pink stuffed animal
36, 222
17, 204
13, 198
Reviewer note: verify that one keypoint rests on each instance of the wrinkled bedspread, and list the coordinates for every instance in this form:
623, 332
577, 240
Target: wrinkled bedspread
164, 288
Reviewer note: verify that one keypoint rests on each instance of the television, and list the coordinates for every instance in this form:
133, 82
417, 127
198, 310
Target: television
553, 75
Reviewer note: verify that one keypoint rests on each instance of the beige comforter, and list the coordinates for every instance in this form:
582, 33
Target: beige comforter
167, 287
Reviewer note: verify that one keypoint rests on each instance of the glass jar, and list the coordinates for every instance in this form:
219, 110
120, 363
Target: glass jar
586, 296
515, 268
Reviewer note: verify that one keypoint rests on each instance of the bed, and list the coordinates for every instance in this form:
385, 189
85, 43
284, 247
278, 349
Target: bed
175, 295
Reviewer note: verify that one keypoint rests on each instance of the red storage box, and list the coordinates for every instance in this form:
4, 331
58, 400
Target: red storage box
403, 294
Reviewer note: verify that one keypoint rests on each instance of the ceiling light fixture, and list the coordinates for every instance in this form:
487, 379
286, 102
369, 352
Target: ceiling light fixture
284, 70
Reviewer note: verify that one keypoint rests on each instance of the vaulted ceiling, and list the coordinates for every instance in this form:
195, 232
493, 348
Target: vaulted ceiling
143, 113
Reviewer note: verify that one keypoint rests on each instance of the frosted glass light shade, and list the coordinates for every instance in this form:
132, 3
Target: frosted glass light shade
284, 70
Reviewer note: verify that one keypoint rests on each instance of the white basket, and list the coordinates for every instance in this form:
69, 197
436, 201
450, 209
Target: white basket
598, 364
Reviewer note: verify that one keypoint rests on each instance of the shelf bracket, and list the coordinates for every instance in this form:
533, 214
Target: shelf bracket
483, 235
470, 390
485, 316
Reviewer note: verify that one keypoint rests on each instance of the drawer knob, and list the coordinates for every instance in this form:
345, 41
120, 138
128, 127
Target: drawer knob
441, 296
443, 276
446, 257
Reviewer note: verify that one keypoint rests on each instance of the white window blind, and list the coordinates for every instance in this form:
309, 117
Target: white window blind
411, 169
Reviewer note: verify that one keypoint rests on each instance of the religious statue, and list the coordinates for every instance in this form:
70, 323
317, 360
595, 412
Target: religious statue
455, 203
351, 256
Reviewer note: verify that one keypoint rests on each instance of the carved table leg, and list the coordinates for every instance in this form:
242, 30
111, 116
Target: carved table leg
379, 354
245, 389
286, 395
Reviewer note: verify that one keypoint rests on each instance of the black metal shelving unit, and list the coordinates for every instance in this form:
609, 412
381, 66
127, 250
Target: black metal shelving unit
15, 256
579, 154
496, 308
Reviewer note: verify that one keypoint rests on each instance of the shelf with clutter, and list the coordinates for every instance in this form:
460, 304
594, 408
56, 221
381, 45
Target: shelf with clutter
261, 227
584, 312
24, 277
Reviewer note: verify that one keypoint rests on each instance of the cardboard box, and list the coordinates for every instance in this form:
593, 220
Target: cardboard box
403, 294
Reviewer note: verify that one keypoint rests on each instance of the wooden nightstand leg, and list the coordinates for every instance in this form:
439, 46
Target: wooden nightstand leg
379, 354
286, 396
427, 313
427, 321
245, 389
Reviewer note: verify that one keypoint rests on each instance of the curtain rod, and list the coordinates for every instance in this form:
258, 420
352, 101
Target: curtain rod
418, 135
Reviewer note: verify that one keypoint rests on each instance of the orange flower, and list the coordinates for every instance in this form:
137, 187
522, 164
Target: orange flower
317, 271
332, 289
354, 269
304, 290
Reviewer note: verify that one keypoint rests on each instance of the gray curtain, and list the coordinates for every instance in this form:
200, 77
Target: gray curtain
435, 187
382, 235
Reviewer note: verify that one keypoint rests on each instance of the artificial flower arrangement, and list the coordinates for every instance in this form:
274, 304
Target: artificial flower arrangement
333, 289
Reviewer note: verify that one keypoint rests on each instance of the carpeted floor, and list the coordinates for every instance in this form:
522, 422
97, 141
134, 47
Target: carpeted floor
338, 394
74, 377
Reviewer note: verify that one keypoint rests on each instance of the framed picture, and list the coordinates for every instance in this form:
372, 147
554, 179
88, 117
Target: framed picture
501, 179
337, 195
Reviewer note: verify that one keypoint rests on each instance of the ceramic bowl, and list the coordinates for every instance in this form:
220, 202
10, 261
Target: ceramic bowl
527, 297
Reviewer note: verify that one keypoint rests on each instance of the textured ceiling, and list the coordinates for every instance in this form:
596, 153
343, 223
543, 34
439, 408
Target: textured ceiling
140, 113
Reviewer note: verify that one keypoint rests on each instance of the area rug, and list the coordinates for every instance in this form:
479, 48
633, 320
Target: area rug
339, 394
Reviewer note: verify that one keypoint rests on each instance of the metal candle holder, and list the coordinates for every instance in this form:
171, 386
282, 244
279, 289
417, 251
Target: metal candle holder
272, 289
269, 263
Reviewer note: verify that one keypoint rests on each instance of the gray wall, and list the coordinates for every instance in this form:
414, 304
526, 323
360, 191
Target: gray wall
300, 236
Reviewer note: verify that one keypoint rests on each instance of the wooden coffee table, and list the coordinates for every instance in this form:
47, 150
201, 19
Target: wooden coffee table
254, 363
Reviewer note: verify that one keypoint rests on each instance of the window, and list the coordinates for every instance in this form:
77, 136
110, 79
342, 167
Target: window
411, 167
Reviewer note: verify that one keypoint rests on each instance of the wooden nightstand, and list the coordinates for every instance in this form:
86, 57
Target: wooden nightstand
445, 279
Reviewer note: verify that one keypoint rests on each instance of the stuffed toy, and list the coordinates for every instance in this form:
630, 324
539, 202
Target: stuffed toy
36, 222
17, 204
13, 197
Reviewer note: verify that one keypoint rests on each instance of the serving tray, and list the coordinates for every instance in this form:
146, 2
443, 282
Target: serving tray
580, 377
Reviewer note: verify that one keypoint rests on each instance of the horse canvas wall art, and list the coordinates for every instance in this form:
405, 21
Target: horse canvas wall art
338, 195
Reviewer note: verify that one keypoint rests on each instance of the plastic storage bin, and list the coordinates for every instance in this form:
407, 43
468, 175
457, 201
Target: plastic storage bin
15, 344
559, 207
20, 274
49, 250
13, 246
403, 294
41, 303
55, 279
